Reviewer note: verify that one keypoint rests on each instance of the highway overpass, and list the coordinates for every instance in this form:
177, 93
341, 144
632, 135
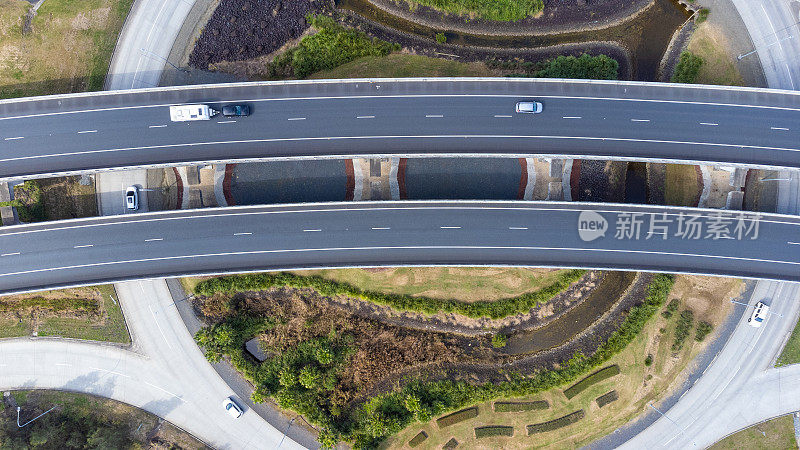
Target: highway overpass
415, 117
240, 239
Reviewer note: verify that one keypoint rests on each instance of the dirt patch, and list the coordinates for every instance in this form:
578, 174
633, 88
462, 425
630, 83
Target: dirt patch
703, 295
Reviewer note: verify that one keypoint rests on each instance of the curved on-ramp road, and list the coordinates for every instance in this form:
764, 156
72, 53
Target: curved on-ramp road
240, 239
439, 117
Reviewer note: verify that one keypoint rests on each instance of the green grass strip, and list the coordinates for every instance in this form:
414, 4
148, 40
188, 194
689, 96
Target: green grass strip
602, 374
54, 304
555, 424
426, 305
607, 398
494, 430
458, 416
418, 439
520, 406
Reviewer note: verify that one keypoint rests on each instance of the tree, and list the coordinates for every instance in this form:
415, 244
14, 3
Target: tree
687, 69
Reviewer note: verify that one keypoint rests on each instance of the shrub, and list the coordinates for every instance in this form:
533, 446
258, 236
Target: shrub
600, 375
458, 416
441, 38
703, 328
600, 67
555, 424
28, 201
418, 439
494, 430
671, 308
499, 340
648, 361
520, 406
499, 10
495, 309
687, 69
683, 328
702, 15
607, 398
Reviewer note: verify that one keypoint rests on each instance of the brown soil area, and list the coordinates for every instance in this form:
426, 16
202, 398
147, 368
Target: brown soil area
18, 309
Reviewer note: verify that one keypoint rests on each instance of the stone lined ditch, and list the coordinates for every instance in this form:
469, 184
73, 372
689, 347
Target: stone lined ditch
646, 35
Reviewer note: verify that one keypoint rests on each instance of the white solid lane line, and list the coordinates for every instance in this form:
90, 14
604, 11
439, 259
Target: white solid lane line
434, 116
779, 128
10, 254
365, 117
517, 228
381, 228
503, 116
242, 234
572, 117
154, 239
450, 228
296, 118
640, 120
157, 126
312, 230
227, 121
87, 131
14, 138
710, 124
84, 246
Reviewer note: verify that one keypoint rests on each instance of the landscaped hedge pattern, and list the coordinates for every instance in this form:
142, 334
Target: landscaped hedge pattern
607, 398
450, 445
600, 375
418, 439
494, 430
387, 414
555, 424
494, 309
520, 406
458, 416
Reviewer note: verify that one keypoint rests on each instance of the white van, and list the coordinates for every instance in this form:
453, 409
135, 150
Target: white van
184, 113
759, 315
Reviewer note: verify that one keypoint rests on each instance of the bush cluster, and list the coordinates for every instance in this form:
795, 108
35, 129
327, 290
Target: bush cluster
458, 416
600, 67
648, 361
332, 46
671, 308
492, 309
494, 430
31, 210
499, 340
703, 328
499, 10
386, 414
682, 330
418, 439
602, 374
520, 406
687, 69
555, 424
607, 398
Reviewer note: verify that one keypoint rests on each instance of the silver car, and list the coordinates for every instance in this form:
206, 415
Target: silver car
529, 107
132, 198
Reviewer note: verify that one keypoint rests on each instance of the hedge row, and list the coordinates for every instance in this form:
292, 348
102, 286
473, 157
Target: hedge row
685, 322
418, 439
458, 416
555, 424
602, 374
494, 430
492, 309
54, 304
607, 398
520, 406
450, 445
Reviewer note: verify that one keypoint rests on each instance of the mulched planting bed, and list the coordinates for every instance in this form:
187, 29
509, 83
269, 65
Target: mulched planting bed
456, 417
607, 398
520, 406
600, 375
418, 439
244, 29
555, 424
494, 430
450, 445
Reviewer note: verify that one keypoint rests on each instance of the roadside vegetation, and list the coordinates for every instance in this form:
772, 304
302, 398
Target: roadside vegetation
499, 10
681, 185
777, 433
399, 65
402, 302
687, 69
709, 43
53, 199
791, 352
84, 421
90, 313
65, 47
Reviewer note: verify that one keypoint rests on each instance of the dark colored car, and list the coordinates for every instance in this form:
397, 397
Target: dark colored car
235, 110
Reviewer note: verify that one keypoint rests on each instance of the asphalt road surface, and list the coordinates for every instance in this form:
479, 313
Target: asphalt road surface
70, 133
105, 249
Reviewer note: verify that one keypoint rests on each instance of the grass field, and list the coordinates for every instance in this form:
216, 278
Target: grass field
777, 433
708, 42
681, 187
107, 325
637, 384
791, 352
404, 65
68, 48
460, 283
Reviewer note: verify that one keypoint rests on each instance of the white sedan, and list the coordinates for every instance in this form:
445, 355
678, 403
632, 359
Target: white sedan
232, 408
529, 107
132, 198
